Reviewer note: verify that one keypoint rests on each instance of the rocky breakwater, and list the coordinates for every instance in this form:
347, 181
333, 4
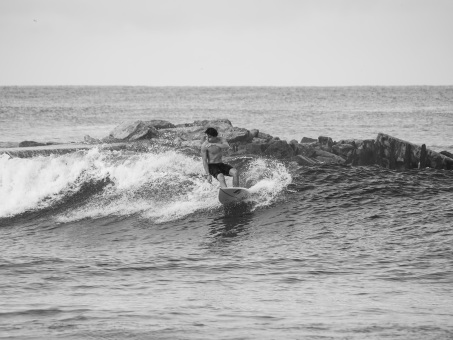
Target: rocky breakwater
189, 136
385, 150
394, 153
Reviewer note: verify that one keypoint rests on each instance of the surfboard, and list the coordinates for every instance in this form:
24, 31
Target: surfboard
232, 195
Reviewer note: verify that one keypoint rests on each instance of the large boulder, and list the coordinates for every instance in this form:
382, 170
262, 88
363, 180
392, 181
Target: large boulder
307, 140
306, 150
446, 153
356, 151
325, 143
365, 153
265, 136
196, 131
134, 131
344, 150
279, 149
160, 124
394, 153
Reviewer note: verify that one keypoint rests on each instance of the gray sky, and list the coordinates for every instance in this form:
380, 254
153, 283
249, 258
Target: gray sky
226, 42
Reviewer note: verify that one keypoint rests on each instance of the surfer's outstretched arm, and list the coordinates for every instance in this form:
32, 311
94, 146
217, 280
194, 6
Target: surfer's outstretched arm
204, 157
222, 144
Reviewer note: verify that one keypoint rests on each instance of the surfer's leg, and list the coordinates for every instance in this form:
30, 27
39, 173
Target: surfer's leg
235, 174
221, 180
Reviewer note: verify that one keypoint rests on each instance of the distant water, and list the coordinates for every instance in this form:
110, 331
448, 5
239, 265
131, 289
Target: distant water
103, 244
66, 114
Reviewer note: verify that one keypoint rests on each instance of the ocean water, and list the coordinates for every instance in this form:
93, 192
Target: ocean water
118, 244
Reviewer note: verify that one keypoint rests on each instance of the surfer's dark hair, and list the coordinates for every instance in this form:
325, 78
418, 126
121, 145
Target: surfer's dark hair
211, 132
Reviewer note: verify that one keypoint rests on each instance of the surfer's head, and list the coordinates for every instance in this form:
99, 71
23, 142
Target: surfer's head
211, 132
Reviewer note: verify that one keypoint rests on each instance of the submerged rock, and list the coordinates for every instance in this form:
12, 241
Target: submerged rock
28, 143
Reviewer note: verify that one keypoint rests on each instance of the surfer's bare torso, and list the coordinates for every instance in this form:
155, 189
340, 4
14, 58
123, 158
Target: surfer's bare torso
213, 148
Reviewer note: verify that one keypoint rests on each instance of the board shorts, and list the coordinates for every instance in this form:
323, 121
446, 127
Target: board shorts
219, 168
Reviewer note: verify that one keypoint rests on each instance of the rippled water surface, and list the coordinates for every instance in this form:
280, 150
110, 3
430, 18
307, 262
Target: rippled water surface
419, 114
100, 244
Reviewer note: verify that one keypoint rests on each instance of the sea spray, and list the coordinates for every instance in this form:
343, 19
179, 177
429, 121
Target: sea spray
158, 185
266, 179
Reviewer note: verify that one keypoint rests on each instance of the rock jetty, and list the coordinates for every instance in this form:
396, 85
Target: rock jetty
385, 151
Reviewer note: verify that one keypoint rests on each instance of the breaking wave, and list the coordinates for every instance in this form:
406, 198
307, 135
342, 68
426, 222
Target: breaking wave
160, 185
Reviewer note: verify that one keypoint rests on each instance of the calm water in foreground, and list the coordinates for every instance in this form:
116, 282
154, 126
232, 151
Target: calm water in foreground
99, 244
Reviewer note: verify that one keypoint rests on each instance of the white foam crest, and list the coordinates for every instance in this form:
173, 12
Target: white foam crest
163, 187
144, 168
266, 180
34, 183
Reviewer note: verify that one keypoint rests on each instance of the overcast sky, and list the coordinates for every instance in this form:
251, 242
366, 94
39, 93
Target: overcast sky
226, 42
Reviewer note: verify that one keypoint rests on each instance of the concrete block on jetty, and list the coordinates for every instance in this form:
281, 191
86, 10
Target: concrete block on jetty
385, 150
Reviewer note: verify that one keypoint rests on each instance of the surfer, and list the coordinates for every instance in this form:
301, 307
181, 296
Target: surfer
211, 153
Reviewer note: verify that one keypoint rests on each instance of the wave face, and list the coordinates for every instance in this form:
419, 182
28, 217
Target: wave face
161, 185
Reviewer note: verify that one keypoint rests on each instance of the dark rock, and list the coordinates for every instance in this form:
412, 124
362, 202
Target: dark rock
446, 153
264, 136
90, 140
218, 124
365, 153
306, 140
110, 140
28, 143
423, 157
254, 133
325, 142
344, 150
255, 148
327, 157
293, 143
196, 131
134, 131
279, 149
306, 150
160, 124
259, 140
394, 153
235, 135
